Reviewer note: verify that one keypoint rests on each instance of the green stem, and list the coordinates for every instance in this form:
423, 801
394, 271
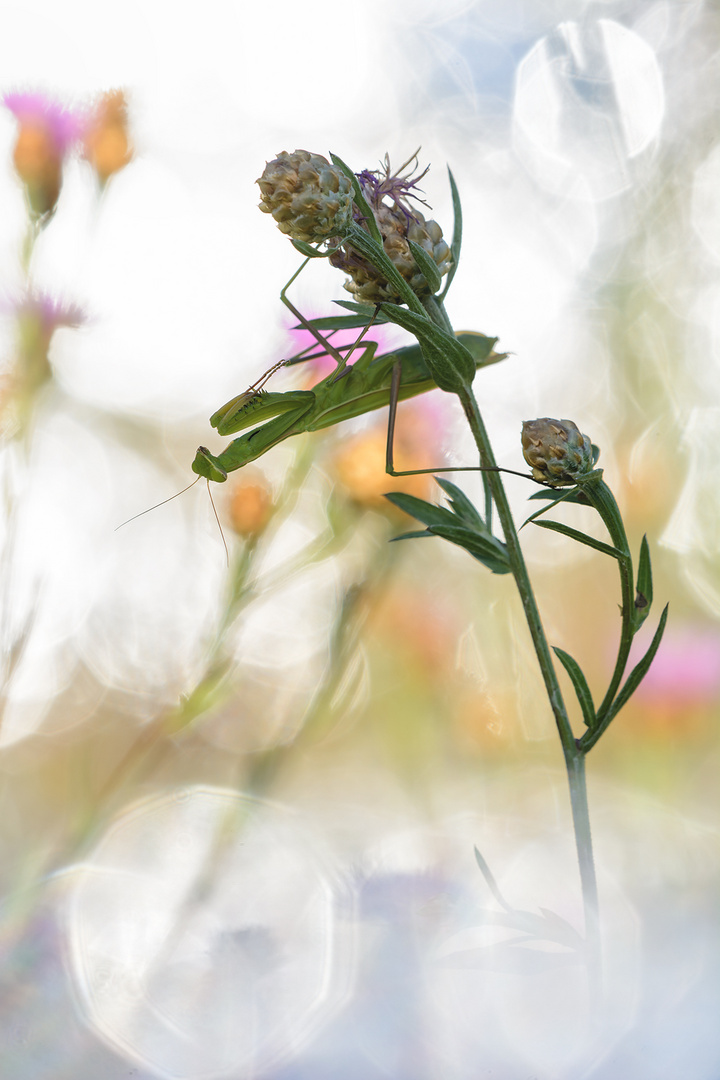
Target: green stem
603, 500
574, 755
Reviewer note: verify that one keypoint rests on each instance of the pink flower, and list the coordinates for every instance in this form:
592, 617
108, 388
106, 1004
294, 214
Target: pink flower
322, 363
45, 311
64, 126
47, 132
686, 669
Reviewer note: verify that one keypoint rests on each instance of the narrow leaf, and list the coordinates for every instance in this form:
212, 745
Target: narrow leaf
343, 322
487, 550
574, 495
604, 502
362, 309
308, 251
640, 670
480, 347
461, 505
457, 234
426, 265
644, 594
411, 535
544, 509
581, 537
427, 512
580, 685
358, 198
490, 880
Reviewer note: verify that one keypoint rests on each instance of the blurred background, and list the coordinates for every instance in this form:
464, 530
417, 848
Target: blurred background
240, 796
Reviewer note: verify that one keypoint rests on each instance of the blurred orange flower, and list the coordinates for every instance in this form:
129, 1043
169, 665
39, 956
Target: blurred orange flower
106, 144
249, 507
359, 464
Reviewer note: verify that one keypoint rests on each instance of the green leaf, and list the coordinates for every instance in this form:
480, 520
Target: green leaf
461, 505
451, 364
579, 682
603, 501
308, 251
490, 880
343, 322
426, 265
574, 495
358, 198
457, 235
566, 495
487, 549
362, 309
480, 347
644, 594
640, 670
411, 535
581, 537
427, 512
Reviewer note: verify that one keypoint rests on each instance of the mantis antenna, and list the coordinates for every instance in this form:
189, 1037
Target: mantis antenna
175, 496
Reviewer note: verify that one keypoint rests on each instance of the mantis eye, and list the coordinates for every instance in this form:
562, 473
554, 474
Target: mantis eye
206, 465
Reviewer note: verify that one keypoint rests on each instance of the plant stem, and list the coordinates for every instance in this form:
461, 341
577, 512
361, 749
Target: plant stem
574, 756
599, 494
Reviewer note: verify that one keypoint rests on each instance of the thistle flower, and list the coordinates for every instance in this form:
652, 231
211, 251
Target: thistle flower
556, 450
106, 142
47, 132
309, 198
388, 195
37, 316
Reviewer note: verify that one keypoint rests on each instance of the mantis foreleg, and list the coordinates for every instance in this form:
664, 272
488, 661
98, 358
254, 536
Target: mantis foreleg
325, 344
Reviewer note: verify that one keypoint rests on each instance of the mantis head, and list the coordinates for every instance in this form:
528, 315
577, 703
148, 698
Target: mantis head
208, 466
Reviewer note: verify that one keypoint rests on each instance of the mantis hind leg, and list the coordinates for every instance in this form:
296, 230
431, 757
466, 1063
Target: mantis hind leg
389, 460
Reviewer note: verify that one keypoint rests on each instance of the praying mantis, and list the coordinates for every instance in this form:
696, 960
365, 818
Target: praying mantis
369, 383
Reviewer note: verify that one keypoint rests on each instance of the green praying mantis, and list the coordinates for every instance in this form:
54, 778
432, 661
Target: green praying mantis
350, 390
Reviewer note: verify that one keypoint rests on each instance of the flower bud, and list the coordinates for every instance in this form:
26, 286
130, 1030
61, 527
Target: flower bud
388, 194
309, 198
106, 143
367, 284
556, 450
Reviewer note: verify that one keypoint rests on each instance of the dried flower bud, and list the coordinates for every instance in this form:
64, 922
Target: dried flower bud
249, 508
388, 195
556, 450
106, 144
309, 198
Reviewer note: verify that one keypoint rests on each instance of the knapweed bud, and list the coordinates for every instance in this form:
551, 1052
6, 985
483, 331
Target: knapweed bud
388, 194
106, 142
309, 198
556, 450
